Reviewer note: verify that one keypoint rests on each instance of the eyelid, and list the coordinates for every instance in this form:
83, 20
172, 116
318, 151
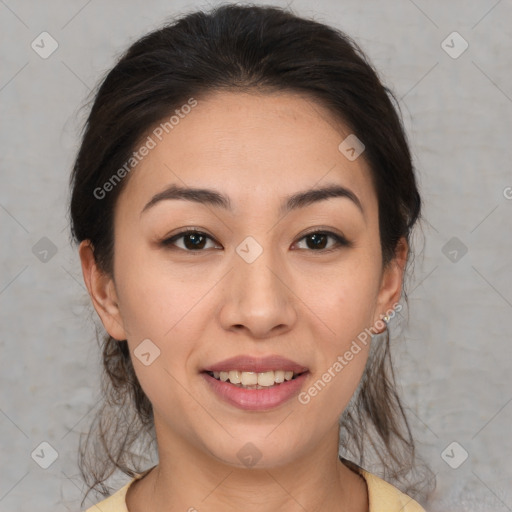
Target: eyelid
168, 240
341, 240
325, 230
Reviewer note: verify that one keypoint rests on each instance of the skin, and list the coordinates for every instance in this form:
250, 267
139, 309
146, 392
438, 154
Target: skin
294, 300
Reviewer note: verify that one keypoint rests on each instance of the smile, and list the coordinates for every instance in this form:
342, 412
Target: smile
255, 380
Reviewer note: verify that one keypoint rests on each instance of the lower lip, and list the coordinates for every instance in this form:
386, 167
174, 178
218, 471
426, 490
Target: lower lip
256, 399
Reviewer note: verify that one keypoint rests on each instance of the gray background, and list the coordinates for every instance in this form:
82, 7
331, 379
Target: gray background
453, 357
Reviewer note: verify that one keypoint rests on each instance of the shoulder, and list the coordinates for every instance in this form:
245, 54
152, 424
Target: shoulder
384, 497
117, 501
114, 503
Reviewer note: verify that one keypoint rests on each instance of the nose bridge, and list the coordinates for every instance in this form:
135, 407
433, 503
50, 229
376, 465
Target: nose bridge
257, 297
257, 269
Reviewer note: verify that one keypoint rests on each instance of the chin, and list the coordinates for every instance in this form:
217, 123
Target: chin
257, 451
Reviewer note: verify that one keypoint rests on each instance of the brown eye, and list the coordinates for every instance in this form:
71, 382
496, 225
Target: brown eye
196, 241
318, 241
192, 240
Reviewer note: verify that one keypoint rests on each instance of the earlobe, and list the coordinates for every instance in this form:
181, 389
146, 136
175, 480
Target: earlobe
392, 279
102, 292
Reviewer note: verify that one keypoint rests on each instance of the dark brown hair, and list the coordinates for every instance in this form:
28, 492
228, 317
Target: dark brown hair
243, 48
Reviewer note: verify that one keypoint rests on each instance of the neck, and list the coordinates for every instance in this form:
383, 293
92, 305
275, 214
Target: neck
188, 479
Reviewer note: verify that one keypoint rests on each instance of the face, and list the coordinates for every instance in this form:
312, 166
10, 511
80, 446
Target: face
280, 286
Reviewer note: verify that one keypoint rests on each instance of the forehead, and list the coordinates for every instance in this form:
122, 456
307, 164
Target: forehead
254, 147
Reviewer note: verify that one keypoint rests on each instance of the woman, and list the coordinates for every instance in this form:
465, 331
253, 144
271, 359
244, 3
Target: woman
243, 198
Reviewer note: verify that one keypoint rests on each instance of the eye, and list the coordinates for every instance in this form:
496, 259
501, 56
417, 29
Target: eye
317, 241
193, 240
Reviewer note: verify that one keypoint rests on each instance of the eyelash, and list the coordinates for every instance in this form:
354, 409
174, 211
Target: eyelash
340, 241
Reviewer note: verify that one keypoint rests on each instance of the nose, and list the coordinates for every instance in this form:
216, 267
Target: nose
258, 297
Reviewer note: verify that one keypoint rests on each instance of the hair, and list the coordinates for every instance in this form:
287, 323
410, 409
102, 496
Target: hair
249, 48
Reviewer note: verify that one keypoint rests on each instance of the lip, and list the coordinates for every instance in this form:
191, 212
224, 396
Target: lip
247, 363
255, 399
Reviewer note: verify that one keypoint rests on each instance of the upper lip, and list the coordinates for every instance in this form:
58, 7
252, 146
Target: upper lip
247, 363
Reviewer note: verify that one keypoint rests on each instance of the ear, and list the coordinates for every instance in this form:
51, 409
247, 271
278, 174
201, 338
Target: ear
391, 282
102, 291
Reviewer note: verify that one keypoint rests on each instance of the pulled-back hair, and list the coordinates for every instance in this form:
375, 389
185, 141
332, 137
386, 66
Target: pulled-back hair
243, 48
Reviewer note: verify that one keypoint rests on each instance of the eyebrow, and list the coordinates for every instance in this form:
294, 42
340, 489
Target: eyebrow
218, 199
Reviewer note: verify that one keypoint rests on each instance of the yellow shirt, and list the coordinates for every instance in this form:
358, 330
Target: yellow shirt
382, 496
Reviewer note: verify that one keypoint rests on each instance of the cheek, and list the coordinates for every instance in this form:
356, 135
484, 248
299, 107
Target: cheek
150, 302
146, 309
347, 306
330, 390
343, 299
163, 305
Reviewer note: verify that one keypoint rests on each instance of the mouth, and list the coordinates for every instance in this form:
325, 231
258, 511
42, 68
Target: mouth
255, 383
256, 387
255, 380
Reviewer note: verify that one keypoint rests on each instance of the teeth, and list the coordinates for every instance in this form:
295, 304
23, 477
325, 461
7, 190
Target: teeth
253, 379
266, 379
235, 377
279, 376
249, 378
